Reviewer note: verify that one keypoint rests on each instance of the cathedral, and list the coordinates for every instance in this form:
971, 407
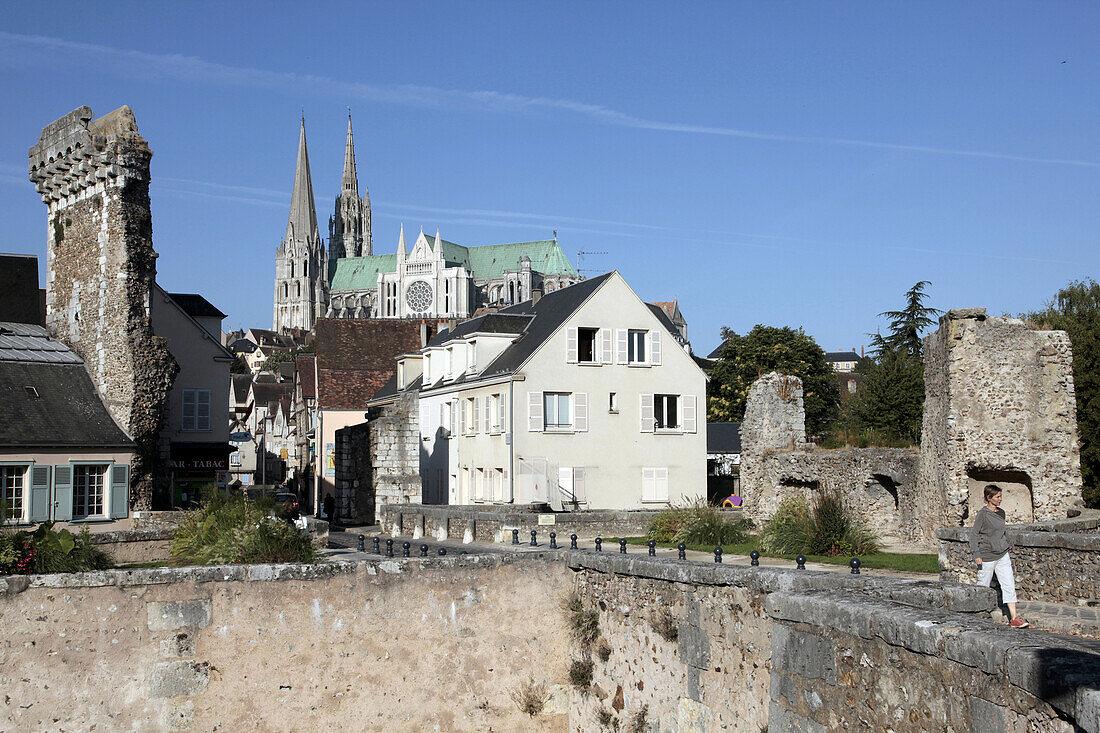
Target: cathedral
432, 278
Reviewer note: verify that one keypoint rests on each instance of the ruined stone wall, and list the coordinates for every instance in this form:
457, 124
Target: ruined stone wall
395, 452
999, 408
878, 484
399, 645
354, 491
93, 176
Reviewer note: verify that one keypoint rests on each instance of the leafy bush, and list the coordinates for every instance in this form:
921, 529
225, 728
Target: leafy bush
698, 523
48, 551
826, 528
236, 530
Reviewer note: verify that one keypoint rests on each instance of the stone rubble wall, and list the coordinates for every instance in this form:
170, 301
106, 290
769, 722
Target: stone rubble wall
999, 397
354, 491
1057, 562
93, 176
432, 644
395, 453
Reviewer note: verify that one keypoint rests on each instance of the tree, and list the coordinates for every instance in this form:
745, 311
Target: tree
239, 365
891, 398
272, 362
744, 359
1076, 310
907, 324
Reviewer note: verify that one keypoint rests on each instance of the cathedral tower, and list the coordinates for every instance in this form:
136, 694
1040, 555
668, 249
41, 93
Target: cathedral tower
349, 226
301, 279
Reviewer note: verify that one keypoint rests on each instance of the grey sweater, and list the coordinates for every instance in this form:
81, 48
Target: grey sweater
988, 539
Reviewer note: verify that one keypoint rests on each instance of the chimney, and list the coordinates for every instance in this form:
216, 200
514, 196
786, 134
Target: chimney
536, 295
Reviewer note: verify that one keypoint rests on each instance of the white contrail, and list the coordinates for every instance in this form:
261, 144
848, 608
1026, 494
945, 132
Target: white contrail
21, 51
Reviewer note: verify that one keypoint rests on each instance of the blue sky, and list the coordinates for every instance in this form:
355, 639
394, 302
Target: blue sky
795, 164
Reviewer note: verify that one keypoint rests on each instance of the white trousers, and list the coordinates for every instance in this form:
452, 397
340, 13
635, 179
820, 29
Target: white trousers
1003, 568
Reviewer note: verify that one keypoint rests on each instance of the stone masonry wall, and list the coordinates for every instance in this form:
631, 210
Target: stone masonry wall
93, 176
354, 489
999, 408
401, 645
395, 452
878, 484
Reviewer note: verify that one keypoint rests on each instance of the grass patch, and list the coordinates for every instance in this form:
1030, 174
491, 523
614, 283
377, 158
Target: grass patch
530, 696
912, 562
580, 673
150, 564
225, 531
584, 622
698, 522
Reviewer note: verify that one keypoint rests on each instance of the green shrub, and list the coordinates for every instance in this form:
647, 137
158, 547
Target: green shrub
580, 673
827, 528
236, 530
46, 550
698, 523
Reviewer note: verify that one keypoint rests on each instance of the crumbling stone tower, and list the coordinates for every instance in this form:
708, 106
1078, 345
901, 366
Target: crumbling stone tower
93, 176
999, 408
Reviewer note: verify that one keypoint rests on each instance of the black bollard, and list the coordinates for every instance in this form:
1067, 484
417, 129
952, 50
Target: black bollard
389, 548
755, 558
405, 549
681, 550
801, 560
553, 540
718, 554
599, 544
652, 548
423, 551
854, 563
442, 551
515, 536
464, 552
534, 543
572, 542
362, 546
376, 550
622, 546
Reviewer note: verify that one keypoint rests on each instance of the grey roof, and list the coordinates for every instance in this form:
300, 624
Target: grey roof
662, 316
489, 323
31, 343
841, 356
195, 305
723, 437
54, 404
241, 383
389, 389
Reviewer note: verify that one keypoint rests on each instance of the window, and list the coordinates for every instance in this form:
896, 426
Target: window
12, 486
612, 402
556, 410
235, 458
469, 416
655, 484
471, 353
665, 412
88, 491
587, 345
196, 410
450, 362
635, 347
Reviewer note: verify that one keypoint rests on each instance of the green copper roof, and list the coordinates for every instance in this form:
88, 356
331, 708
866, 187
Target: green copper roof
361, 273
484, 263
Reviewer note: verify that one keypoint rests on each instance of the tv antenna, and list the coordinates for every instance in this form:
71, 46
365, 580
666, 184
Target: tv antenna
580, 256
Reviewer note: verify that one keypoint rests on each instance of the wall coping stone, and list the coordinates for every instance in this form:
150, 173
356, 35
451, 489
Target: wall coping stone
131, 535
511, 512
1085, 542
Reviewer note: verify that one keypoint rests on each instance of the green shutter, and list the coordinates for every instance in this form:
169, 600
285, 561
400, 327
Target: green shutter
120, 491
40, 493
62, 492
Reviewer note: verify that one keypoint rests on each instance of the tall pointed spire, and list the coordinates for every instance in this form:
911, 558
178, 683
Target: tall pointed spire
350, 181
302, 223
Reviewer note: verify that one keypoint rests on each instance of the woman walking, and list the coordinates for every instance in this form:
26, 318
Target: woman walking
990, 548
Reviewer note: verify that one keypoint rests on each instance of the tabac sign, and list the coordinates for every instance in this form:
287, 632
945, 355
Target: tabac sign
199, 457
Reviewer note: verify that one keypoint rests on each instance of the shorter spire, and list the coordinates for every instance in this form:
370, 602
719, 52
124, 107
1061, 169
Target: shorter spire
349, 181
401, 240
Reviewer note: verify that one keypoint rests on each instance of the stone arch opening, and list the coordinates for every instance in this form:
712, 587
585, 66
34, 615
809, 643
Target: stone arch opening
809, 485
881, 504
1018, 501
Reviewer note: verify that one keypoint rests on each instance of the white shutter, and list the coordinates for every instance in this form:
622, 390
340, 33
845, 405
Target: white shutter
462, 415
477, 414
578, 485
202, 409
607, 348
689, 413
488, 414
648, 489
443, 415
503, 410
648, 419
622, 337
580, 412
534, 412
660, 484
189, 409
571, 345
655, 348
565, 484
452, 409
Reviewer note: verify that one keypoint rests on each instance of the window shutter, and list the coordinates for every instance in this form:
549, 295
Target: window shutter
648, 492
443, 415
488, 414
622, 345
578, 485
202, 409
120, 491
62, 493
452, 409
655, 348
40, 493
648, 419
660, 484
607, 348
503, 410
534, 412
689, 413
462, 415
580, 412
571, 345
189, 409
477, 414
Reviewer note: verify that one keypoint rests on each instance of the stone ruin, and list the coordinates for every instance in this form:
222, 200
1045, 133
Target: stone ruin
93, 176
999, 408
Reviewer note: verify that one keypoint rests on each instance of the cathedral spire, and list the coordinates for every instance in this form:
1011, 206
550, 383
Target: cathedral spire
303, 216
350, 182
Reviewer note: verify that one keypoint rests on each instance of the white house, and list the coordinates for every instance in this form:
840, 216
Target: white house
581, 398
